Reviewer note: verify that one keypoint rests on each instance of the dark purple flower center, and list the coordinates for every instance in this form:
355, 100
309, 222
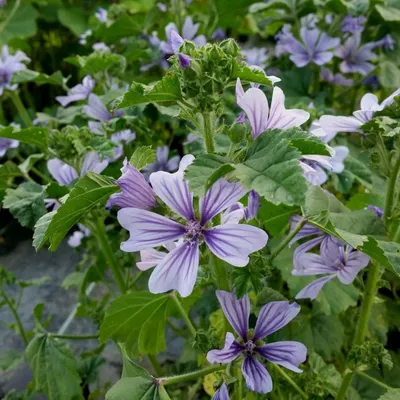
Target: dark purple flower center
193, 230
249, 347
4, 76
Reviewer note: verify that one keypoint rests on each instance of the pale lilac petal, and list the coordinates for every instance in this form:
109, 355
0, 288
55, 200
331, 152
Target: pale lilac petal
324, 161
369, 102
303, 248
97, 128
355, 262
313, 264
289, 354
389, 100
237, 311
330, 250
177, 271
176, 41
184, 60
233, 243
92, 162
200, 41
323, 57
281, 118
253, 205
222, 393
189, 29
229, 353
173, 163
341, 152
147, 229
300, 59
150, 258
255, 104
173, 190
306, 231
312, 290
96, 109
327, 42
310, 37
274, 316
219, 197
256, 376
75, 239
332, 124
232, 217
61, 172
239, 90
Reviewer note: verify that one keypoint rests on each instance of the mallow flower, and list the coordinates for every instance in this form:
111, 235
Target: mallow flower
78, 92
178, 270
256, 56
356, 58
250, 346
6, 144
334, 261
222, 393
332, 124
255, 104
335, 79
101, 14
75, 239
162, 162
84, 36
353, 24
237, 212
316, 47
377, 210
9, 64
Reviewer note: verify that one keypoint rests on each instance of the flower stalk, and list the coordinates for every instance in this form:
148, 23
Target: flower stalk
183, 313
208, 126
73, 337
23, 113
290, 381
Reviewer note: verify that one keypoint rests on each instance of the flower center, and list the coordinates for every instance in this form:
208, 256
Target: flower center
193, 230
249, 347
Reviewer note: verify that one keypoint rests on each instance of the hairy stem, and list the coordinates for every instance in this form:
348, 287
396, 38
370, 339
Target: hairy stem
14, 96
183, 313
170, 380
346, 382
391, 191
290, 381
111, 260
74, 337
158, 369
16, 316
208, 125
373, 380
220, 273
289, 237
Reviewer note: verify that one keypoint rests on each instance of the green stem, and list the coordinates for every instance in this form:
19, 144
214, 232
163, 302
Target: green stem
74, 337
100, 234
317, 80
208, 131
183, 313
170, 380
135, 279
390, 194
220, 271
163, 393
8, 19
16, 316
239, 384
289, 237
373, 380
346, 382
291, 381
20, 107
155, 364
45, 178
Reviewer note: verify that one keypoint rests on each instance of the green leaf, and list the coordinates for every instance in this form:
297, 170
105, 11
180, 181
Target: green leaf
36, 136
123, 27
89, 191
138, 321
220, 172
27, 75
246, 73
130, 369
54, 368
26, 203
137, 388
55, 191
9, 170
390, 14
143, 156
40, 229
166, 90
271, 168
393, 394
100, 61
200, 172
27, 165
73, 18
390, 73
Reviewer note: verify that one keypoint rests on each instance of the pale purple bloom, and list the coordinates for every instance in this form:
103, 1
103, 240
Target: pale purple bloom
84, 36
336, 79
184, 60
253, 205
255, 104
378, 211
100, 46
256, 56
97, 110
272, 317
3, 3
75, 239
222, 393
162, 162
162, 7
335, 260
78, 92
309, 21
6, 144
315, 47
353, 24
219, 34
135, 191
65, 174
119, 138
9, 64
387, 42
178, 270
189, 31
236, 212
356, 58
369, 105
101, 14
191, 138
284, 40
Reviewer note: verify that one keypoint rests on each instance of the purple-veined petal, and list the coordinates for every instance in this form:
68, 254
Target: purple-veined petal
255, 104
311, 290
327, 42
222, 393
324, 161
330, 249
303, 248
332, 124
96, 109
218, 198
147, 229
369, 102
92, 162
189, 29
306, 231
274, 316
230, 216
256, 376
341, 152
281, 118
313, 265
150, 258
239, 90
173, 190
229, 353
176, 41
301, 59
177, 271
184, 60
323, 57
289, 354
237, 311
61, 172
354, 263
233, 243
310, 37
389, 100
173, 163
